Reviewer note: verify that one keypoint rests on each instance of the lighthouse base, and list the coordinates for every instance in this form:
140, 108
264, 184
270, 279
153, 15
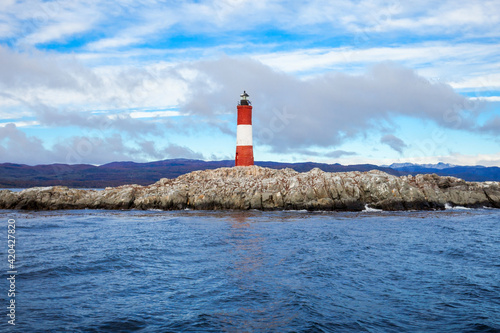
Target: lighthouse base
244, 156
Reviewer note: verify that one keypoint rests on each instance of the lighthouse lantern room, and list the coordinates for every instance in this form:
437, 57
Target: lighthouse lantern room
244, 147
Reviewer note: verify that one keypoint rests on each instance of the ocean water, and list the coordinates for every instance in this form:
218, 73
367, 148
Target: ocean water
191, 271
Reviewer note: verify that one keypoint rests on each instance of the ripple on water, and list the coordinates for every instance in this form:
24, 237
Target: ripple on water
98, 271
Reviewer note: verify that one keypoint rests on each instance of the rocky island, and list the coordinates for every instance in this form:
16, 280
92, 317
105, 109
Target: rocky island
255, 187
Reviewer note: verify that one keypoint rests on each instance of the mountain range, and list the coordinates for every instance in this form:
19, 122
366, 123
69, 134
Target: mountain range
121, 173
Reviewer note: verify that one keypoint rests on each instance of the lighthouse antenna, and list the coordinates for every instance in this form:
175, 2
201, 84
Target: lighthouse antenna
244, 99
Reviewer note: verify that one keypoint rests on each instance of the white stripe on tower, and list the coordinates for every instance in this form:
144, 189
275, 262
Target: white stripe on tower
244, 135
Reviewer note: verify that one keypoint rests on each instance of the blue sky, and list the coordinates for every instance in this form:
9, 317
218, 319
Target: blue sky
330, 81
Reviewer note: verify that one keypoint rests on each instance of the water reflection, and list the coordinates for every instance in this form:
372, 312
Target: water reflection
247, 249
262, 304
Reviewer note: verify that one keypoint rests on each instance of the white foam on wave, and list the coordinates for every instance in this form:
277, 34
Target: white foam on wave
448, 206
369, 209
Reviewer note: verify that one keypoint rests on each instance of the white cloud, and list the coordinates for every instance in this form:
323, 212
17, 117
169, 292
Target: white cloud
56, 32
36, 22
125, 23
149, 25
487, 98
29, 123
487, 160
487, 81
35, 69
425, 17
60, 91
460, 159
153, 114
113, 42
438, 59
5, 30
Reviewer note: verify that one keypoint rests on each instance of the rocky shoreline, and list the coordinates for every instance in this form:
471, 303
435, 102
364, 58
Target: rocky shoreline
254, 187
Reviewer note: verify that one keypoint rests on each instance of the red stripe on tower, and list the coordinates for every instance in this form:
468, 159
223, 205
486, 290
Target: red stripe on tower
244, 146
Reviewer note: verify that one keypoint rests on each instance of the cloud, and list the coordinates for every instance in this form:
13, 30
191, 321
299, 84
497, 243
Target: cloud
330, 154
438, 59
488, 81
102, 123
112, 64
322, 111
154, 114
20, 71
17, 147
340, 153
37, 21
122, 23
101, 150
176, 151
487, 98
103, 26
57, 32
147, 23
60, 91
447, 17
93, 150
149, 148
491, 126
492, 159
394, 142
290, 113
34, 76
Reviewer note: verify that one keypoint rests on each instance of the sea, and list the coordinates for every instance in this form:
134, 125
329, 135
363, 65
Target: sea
252, 271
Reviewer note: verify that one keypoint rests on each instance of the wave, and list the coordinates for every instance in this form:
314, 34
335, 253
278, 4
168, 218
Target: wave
447, 206
369, 209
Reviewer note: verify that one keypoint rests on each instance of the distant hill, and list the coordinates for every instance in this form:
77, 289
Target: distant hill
470, 173
439, 166
121, 173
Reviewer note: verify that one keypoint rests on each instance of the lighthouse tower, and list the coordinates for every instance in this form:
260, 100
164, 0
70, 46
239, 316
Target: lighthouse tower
244, 147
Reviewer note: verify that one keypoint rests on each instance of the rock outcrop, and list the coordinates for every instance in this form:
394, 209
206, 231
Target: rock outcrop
267, 189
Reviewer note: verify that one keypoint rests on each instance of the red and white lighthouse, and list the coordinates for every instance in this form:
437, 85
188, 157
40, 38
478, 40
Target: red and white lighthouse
244, 147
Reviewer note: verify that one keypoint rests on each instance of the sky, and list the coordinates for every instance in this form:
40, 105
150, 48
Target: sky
362, 81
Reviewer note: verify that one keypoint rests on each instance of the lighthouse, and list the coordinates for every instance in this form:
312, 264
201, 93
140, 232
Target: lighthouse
244, 147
